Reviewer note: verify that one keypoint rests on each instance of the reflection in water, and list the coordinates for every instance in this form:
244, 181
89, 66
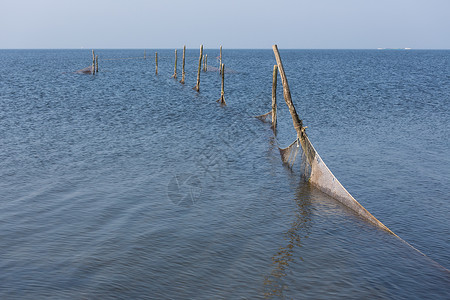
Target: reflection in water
274, 284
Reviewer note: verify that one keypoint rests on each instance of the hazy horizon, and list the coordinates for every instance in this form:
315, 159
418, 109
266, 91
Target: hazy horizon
246, 24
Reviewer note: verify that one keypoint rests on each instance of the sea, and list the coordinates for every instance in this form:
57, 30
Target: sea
128, 184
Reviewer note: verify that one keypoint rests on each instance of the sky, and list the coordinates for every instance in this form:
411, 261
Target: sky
257, 24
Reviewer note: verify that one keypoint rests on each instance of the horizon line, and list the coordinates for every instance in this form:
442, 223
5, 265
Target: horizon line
232, 48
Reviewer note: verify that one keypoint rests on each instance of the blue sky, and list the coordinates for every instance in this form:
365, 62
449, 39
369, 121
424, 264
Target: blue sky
312, 24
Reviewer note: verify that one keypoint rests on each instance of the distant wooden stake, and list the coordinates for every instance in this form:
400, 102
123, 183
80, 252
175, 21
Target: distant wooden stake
206, 62
197, 87
220, 60
96, 64
222, 93
274, 97
145, 55
93, 62
182, 72
203, 64
156, 63
175, 69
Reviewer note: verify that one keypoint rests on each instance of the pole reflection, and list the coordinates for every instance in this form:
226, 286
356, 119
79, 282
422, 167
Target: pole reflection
275, 284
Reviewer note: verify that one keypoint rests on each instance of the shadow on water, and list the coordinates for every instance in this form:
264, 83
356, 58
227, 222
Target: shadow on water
274, 283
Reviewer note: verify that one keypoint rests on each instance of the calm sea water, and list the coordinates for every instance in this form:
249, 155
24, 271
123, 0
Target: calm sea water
128, 185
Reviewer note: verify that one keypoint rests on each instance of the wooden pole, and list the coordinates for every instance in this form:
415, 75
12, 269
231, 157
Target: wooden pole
203, 68
156, 62
145, 55
175, 69
206, 62
93, 62
182, 72
274, 97
220, 60
197, 87
96, 64
222, 92
298, 124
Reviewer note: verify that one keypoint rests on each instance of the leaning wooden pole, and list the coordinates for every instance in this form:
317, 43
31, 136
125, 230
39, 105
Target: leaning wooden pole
156, 63
197, 86
93, 62
222, 93
274, 97
175, 69
182, 71
96, 64
298, 124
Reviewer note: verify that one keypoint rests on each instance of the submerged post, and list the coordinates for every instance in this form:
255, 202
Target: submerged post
96, 64
175, 69
93, 62
197, 86
274, 97
182, 68
145, 55
222, 92
156, 63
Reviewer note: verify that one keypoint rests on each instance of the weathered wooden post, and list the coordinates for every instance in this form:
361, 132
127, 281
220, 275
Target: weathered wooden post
96, 64
206, 62
182, 68
203, 59
220, 60
298, 124
274, 97
93, 62
156, 63
222, 93
197, 86
145, 55
175, 69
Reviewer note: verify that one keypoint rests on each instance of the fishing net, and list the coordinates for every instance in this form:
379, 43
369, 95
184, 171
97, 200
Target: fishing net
265, 117
313, 169
87, 70
295, 159
289, 154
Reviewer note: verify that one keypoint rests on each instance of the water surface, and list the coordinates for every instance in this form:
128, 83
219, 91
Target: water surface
130, 185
